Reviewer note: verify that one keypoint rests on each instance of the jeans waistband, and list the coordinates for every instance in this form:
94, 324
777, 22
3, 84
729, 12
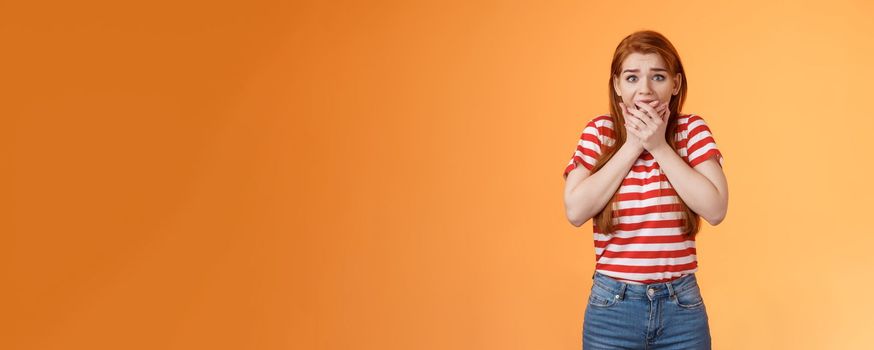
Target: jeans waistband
652, 290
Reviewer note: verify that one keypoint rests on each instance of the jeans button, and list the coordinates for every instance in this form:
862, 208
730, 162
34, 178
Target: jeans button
651, 292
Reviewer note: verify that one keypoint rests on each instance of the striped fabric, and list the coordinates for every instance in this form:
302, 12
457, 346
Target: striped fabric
648, 245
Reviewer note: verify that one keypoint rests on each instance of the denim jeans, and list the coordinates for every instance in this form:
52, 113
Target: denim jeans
668, 315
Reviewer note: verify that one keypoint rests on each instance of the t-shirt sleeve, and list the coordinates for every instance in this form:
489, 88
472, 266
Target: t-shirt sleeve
587, 151
700, 144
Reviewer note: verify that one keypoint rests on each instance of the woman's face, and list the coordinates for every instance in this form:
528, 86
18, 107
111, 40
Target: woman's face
644, 78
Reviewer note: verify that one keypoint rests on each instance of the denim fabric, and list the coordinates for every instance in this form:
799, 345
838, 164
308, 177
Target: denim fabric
668, 315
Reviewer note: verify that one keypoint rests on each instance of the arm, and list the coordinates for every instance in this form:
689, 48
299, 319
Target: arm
585, 196
704, 188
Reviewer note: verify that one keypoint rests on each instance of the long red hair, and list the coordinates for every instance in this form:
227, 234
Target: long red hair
644, 42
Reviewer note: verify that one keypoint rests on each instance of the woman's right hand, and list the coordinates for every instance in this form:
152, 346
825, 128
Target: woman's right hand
630, 139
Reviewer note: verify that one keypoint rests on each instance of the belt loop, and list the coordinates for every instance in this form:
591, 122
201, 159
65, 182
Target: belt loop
670, 288
622, 291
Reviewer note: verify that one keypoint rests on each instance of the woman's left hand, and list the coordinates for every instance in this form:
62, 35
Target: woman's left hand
649, 123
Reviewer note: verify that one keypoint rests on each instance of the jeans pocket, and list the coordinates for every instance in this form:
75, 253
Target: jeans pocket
600, 297
689, 298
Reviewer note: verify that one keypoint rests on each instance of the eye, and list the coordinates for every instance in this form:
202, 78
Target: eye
660, 76
628, 78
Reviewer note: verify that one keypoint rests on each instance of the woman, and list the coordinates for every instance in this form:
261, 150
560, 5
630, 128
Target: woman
645, 184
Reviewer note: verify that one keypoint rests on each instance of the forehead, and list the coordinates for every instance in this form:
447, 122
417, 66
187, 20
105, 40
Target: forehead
642, 61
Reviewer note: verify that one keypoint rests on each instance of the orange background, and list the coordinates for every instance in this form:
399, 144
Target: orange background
376, 175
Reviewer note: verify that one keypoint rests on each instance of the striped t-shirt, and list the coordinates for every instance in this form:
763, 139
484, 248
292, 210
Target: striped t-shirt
648, 245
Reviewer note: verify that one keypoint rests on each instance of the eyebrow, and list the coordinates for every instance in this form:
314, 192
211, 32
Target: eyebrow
638, 70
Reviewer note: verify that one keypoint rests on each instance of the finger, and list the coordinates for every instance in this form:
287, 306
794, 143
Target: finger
663, 112
626, 112
636, 123
634, 133
650, 111
641, 108
657, 107
626, 108
639, 116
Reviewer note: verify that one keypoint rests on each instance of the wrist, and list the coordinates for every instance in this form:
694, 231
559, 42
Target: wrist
629, 144
632, 147
660, 147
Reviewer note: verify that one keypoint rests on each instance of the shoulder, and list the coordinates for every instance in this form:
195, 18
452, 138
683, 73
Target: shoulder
686, 118
603, 118
690, 119
600, 130
601, 122
691, 122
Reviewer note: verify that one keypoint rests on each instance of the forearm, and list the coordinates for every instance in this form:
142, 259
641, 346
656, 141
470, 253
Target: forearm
588, 198
701, 195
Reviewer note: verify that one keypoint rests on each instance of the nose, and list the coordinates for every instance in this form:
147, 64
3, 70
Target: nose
644, 86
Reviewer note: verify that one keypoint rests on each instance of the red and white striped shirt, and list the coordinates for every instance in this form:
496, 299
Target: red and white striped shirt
648, 245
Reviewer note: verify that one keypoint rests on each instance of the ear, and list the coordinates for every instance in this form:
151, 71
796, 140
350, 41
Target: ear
678, 81
616, 89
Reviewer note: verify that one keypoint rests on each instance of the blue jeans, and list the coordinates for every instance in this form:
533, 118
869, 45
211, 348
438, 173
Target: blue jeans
667, 315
